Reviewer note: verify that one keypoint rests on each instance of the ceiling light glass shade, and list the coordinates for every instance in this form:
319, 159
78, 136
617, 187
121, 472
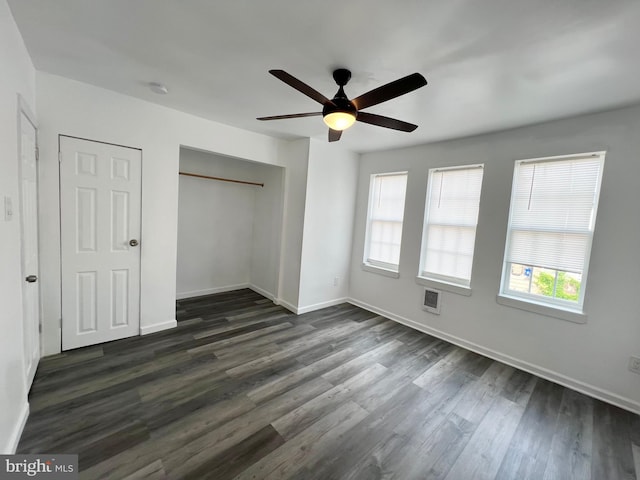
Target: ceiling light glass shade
339, 120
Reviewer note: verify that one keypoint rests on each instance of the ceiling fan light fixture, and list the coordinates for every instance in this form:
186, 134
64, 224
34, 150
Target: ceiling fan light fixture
339, 120
340, 113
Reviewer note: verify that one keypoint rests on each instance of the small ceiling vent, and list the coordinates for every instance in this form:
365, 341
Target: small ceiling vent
431, 301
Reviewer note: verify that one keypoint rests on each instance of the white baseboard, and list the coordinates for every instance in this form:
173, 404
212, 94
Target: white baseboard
14, 439
263, 292
318, 306
158, 327
587, 389
287, 305
309, 308
209, 291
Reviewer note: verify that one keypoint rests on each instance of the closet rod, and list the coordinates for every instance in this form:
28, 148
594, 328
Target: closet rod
221, 179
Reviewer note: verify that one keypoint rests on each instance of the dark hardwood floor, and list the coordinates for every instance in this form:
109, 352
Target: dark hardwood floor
244, 389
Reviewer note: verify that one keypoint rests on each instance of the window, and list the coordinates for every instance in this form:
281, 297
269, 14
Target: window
384, 221
551, 220
450, 220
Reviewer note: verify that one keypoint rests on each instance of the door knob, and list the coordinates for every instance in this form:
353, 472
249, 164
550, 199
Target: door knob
31, 279
133, 242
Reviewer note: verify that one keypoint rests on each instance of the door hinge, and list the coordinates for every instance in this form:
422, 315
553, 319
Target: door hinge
37, 154
39, 328
59, 157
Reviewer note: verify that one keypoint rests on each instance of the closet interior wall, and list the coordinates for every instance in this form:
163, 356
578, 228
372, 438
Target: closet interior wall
228, 233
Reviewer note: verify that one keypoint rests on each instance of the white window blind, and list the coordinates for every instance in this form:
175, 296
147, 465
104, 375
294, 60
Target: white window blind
386, 211
553, 209
451, 217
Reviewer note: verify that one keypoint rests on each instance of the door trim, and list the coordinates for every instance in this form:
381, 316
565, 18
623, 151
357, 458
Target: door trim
25, 109
60, 135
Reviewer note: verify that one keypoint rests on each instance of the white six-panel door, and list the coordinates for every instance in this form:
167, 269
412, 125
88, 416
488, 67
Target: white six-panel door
29, 230
100, 194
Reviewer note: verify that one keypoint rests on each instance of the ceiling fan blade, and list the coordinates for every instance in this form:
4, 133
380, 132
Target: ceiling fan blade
334, 135
293, 115
300, 86
386, 122
390, 90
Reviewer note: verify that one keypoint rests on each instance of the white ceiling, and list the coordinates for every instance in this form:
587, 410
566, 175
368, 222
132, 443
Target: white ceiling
490, 64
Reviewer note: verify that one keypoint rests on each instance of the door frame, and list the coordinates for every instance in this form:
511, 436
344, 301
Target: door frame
24, 109
140, 237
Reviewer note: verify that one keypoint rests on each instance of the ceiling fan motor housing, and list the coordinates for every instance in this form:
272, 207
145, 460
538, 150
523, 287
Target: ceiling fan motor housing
340, 102
342, 76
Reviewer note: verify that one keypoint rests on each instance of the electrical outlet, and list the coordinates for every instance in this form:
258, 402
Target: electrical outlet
336, 281
634, 364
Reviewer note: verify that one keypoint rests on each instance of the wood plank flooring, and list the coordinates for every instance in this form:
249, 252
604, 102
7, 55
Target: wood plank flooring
244, 389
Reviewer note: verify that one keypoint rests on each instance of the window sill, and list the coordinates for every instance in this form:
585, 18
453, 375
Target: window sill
549, 311
380, 271
446, 286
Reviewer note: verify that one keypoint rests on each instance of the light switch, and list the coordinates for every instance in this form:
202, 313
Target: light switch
8, 209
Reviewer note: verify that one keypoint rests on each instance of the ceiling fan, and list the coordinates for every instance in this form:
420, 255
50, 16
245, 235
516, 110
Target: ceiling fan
340, 113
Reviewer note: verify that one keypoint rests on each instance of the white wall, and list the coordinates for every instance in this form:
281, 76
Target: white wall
592, 357
267, 232
18, 76
295, 156
328, 226
228, 233
73, 108
215, 227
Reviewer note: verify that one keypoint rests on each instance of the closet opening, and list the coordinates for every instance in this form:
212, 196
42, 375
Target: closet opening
229, 225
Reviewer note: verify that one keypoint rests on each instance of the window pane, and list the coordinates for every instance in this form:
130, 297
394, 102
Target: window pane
569, 285
386, 210
551, 223
561, 250
385, 241
544, 282
520, 278
552, 212
450, 250
451, 216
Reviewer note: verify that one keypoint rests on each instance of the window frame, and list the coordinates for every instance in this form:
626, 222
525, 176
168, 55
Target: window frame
377, 266
550, 306
449, 283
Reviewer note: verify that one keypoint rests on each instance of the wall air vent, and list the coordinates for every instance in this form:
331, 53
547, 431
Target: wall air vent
431, 301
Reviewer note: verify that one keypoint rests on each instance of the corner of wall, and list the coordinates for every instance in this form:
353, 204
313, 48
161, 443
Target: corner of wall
264, 293
14, 438
295, 160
